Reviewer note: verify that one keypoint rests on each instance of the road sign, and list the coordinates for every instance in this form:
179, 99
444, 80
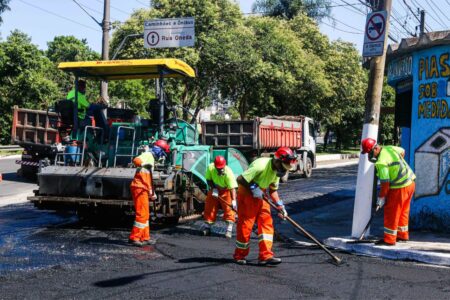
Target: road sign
375, 34
169, 33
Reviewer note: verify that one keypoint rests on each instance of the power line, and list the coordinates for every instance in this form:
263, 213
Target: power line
437, 14
429, 14
334, 27
100, 24
414, 14
116, 8
57, 15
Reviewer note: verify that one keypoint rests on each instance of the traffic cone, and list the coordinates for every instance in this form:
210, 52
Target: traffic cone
1, 178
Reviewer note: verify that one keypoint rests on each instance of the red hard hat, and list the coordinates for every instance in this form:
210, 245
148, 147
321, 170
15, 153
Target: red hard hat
286, 155
163, 145
367, 145
220, 162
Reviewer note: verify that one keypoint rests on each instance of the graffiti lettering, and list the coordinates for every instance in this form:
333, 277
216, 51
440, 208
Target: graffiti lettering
436, 109
428, 90
429, 67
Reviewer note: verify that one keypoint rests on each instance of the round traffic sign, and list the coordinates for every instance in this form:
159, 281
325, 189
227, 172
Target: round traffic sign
153, 38
375, 27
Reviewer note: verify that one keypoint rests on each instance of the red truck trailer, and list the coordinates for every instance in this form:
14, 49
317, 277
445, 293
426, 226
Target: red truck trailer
35, 131
262, 136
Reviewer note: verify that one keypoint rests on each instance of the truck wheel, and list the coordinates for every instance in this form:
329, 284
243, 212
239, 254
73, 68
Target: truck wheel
308, 168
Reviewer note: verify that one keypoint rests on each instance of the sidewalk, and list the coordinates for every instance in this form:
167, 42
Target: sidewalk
333, 224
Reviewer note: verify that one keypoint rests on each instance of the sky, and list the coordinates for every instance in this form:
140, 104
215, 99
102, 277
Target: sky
45, 19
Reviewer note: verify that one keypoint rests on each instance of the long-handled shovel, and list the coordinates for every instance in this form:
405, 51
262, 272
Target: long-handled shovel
360, 240
336, 259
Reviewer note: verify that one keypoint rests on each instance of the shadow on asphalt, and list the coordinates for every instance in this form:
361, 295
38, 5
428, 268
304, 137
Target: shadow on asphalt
12, 176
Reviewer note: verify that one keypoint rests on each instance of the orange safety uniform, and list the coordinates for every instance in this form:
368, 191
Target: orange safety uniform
397, 185
252, 209
141, 187
224, 185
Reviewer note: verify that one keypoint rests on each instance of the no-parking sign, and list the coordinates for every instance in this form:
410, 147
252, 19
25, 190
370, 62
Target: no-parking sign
375, 34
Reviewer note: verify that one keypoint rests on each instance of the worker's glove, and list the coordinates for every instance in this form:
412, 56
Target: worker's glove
282, 213
256, 191
381, 201
215, 193
153, 197
234, 204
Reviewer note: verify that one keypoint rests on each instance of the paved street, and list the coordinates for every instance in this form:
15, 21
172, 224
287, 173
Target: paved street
13, 188
49, 255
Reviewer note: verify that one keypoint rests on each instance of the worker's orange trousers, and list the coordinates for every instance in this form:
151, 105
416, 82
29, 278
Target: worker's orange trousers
213, 204
396, 213
250, 210
141, 229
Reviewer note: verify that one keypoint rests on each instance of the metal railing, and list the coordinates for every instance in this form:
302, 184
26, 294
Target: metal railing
117, 144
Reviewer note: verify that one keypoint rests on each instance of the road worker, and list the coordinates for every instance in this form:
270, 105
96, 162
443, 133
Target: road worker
222, 194
262, 177
142, 189
87, 111
397, 188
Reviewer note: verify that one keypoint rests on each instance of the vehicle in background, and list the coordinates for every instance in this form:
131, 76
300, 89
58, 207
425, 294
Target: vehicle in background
263, 136
36, 132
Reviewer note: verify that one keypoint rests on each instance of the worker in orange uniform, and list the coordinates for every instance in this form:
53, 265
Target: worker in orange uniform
397, 189
262, 176
222, 184
142, 189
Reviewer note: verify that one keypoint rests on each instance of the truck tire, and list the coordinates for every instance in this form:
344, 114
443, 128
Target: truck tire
308, 168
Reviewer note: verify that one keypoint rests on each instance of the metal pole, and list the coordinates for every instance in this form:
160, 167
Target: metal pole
422, 22
161, 99
106, 26
365, 180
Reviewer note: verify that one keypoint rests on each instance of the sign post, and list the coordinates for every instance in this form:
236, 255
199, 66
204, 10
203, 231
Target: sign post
169, 33
375, 34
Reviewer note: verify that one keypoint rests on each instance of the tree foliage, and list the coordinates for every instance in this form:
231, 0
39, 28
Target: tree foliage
3, 7
288, 9
24, 79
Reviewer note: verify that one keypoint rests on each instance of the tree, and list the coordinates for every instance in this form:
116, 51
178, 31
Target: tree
213, 21
3, 7
65, 49
288, 9
343, 111
24, 79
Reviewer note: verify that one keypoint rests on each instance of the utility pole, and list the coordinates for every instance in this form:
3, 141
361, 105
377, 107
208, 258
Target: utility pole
106, 26
422, 22
365, 181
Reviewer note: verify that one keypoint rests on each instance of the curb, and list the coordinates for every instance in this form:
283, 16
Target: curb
16, 156
398, 252
15, 199
336, 157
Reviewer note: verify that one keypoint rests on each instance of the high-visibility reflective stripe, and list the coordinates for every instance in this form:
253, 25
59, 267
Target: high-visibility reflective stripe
140, 225
209, 222
242, 245
403, 228
390, 231
265, 237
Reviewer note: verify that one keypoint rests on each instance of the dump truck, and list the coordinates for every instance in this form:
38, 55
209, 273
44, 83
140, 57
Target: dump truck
263, 136
35, 131
92, 171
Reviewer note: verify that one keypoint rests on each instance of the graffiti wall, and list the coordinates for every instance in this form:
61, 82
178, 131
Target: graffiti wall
429, 153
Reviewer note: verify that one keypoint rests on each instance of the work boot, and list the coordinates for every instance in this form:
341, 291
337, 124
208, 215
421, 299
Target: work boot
240, 261
229, 232
383, 243
270, 261
136, 243
148, 242
206, 231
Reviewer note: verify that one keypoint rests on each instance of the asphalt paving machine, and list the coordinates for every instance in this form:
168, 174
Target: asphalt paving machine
92, 171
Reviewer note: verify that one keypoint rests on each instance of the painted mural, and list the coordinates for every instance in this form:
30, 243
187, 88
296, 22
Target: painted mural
430, 138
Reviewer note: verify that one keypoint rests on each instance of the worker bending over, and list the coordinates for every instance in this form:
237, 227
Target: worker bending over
142, 189
222, 194
262, 176
397, 189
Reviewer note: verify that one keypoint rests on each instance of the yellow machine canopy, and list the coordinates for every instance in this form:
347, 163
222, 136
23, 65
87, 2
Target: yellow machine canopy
129, 69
